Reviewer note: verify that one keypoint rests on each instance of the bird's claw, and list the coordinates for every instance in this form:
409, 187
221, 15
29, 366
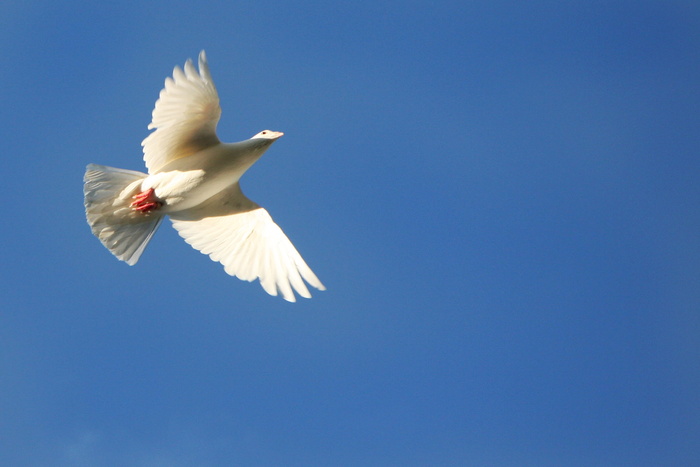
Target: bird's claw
145, 201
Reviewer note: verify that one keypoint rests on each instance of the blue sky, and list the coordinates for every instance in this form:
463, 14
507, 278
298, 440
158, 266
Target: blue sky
501, 197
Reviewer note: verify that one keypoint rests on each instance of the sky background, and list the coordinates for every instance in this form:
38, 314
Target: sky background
501, 197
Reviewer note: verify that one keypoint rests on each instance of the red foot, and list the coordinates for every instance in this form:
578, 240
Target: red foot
146, 201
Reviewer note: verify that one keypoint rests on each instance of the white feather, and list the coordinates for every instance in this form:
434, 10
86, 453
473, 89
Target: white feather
122, 230
242, 236
185, 116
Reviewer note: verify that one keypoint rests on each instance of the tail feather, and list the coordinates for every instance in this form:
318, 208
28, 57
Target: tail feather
108, 194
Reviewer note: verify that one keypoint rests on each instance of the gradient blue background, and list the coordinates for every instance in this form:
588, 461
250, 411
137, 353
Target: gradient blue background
501, 197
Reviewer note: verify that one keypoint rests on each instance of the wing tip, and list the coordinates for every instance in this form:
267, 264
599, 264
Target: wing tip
204, 66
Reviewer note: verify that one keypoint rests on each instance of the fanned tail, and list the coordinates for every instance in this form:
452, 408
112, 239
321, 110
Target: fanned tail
108, 195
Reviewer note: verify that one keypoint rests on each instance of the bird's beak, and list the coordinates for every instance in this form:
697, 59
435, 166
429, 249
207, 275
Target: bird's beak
276, 134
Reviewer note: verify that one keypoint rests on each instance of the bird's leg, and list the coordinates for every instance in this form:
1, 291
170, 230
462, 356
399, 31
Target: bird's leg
145, 201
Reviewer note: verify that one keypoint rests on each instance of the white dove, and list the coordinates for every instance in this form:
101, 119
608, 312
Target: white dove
193, 178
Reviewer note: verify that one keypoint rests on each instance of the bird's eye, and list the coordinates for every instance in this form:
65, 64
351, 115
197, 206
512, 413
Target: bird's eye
264, 132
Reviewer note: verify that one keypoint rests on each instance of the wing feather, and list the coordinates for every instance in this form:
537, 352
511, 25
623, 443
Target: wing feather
185, 116
242, 236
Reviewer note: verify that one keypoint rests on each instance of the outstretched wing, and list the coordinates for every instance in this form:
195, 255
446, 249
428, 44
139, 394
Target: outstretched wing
185, 116
242, 236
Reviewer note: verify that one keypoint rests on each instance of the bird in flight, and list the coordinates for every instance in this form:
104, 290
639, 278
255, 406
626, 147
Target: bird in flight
194, 179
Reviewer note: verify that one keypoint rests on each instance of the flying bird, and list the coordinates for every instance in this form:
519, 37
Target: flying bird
194, 179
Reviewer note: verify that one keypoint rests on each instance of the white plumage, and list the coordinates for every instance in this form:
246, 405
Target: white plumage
193, 178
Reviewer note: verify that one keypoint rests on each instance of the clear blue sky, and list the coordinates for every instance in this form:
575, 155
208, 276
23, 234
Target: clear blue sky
501, 197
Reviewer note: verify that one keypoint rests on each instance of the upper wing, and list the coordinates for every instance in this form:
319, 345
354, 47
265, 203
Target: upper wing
242, 236
185, 116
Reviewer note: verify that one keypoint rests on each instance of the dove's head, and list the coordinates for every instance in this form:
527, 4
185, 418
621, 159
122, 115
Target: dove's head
267, 134
260, 142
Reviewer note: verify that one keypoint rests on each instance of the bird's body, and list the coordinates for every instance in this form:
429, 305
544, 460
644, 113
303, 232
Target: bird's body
189, 181
193, 178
